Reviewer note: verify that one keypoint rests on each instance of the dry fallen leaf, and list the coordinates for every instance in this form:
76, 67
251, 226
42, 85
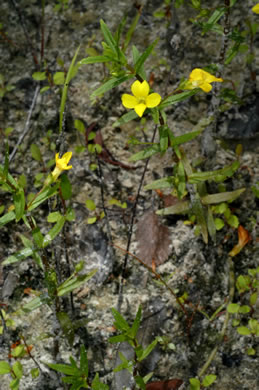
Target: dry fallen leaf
172, 384
153, 240
243, 238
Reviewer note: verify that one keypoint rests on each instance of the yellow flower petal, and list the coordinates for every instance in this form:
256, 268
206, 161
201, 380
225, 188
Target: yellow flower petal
129, 101
255, 8
61, 163
206, 87
153, 100
140, 108
196, 75
140, 90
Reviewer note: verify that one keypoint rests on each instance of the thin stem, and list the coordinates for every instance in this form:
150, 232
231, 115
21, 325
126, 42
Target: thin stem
133, 215
226, 321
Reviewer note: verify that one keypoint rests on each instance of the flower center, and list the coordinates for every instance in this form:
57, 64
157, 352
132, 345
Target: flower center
142, 100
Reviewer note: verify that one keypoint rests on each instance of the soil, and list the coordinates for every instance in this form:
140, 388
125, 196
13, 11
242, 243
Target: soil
192, 268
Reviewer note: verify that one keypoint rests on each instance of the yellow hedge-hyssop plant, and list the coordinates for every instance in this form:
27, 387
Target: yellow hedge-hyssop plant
141, 98
255, 8
201, 79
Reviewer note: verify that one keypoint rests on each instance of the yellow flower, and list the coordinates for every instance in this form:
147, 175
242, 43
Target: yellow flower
61, 164
201, 79
255, 8
141, 99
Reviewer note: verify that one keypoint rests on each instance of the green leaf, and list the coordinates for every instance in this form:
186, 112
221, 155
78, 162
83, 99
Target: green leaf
6, 218
90, 204
19, 256
97, 385
118, 339
59, 78
35, 303
163, 135
253, 298
198, 210
221, 174
91, 220
233, 308
64, 369
148, 350
43, 196
108, 37
66, 326
178, 97
39, 76
217, 14
19, 203
14, 384
95, 59
136, 323
35, 152
131, 30
144, 56
244, 309
182, 207
194, 384
254, 326
79, 125
65, 89
120, 323
211, 225
243, 330
165, 182
18, 369
113, 82
219, 223
35, 372
54, 217
5, 368
146, 153
83, 361
136, 55
129, 116
233, 221
222, 197
74, 282
66, 187
54, 231
251, 351
208, 380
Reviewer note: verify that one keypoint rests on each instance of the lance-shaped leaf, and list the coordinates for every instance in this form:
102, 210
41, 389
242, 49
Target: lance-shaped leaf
222, 197
43, 196
217, 175
182, 207
113, 82
74, 282
146, 153
129, 116
19, 203
144, 56
8, 217
94, 60
198, 211
178, 97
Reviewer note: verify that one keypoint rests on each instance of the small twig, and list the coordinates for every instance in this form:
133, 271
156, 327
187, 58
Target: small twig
133, 215
29, 353
226, 321
27, 124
